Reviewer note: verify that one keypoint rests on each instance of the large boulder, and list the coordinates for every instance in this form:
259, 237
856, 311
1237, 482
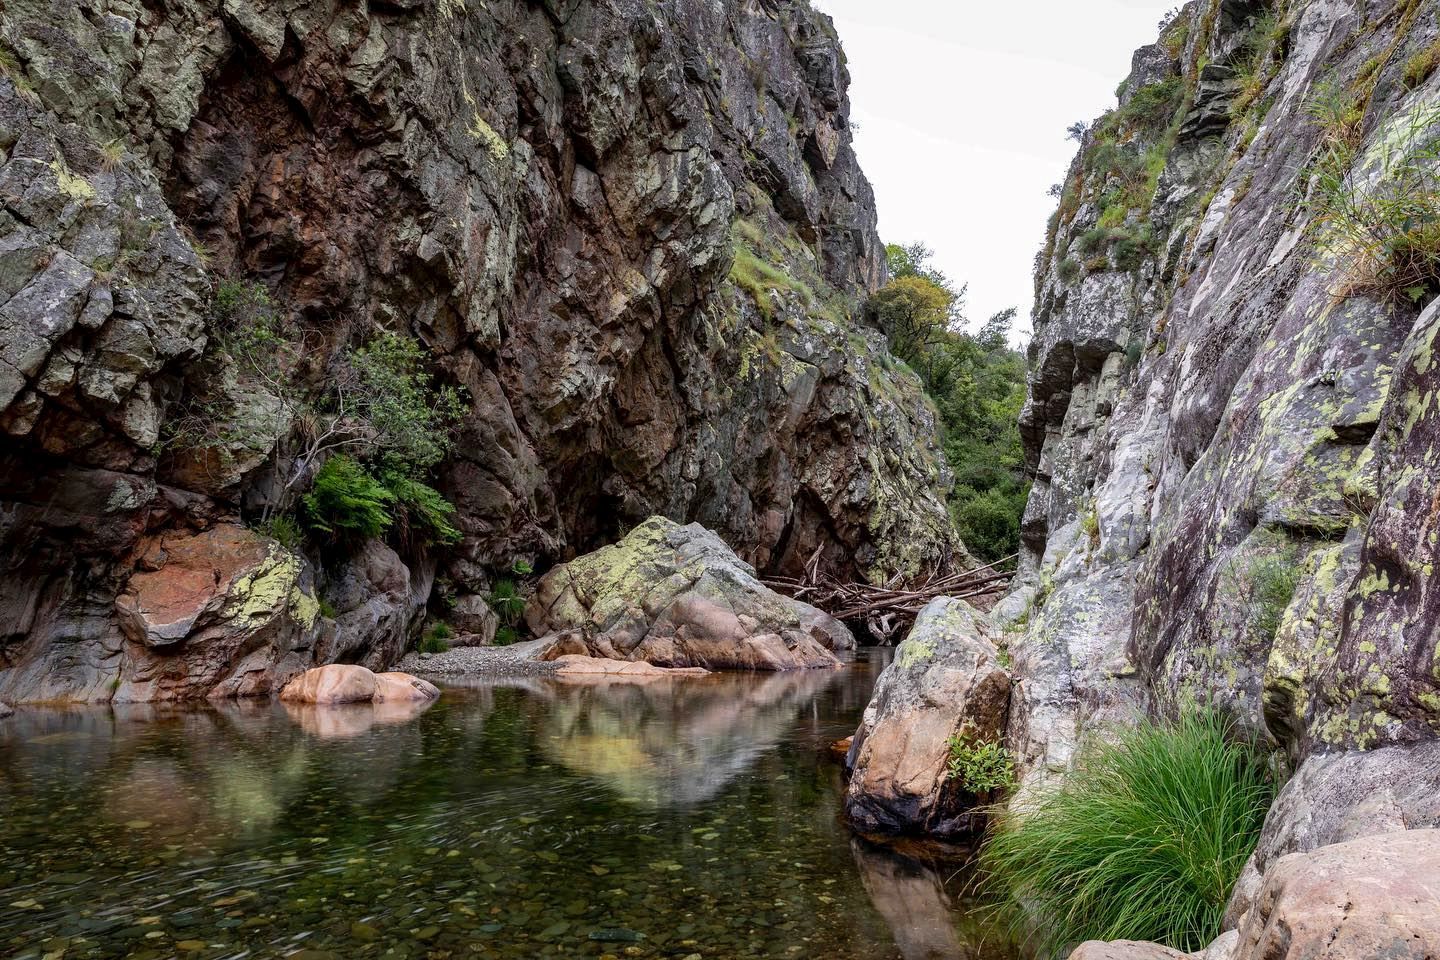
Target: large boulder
338, 683
223, 612
1373, 897
379, 602
1378, 896
945, 681
677, 596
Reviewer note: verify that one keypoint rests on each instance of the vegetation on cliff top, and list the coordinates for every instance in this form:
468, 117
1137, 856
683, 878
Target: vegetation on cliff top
978, 384
1143, 841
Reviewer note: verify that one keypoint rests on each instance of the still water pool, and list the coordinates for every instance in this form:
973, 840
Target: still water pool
694, 818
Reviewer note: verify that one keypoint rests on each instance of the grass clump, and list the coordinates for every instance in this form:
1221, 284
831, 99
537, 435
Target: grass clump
435, 639
1419, 66
1379, 217
1144, 841
980, 766
1272, 586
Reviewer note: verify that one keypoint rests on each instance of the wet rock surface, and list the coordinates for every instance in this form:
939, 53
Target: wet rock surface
945, 681
677, 596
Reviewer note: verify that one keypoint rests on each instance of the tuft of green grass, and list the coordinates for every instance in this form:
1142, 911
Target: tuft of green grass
1272, 585
1143, 841
436, 639
1420, 65
1378, 218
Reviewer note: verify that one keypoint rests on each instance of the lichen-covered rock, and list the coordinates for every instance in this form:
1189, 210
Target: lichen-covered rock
1231, 440
945, 681
561, 205
1343, 795
677, 596
222, 612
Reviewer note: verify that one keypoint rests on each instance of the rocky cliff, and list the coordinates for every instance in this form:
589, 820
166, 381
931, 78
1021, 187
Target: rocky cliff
1231, 417
632, 233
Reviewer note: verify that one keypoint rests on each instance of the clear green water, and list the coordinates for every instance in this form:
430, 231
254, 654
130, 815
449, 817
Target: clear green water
514, 818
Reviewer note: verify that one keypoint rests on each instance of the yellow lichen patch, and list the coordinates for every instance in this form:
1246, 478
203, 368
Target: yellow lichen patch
303, 607
267, 588
489, 140
74, 187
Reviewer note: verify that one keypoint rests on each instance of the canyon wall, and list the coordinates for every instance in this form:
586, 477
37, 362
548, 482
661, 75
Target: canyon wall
634, 234
1231, 420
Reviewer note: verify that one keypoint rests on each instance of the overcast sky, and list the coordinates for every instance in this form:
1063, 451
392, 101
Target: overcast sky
962, 108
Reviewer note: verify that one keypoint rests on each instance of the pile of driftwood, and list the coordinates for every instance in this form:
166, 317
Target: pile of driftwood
888, 610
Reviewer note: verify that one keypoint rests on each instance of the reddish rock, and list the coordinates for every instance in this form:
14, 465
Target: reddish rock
578, 665
1125, 950
225, 612
333, 684
402, 687
1376, 896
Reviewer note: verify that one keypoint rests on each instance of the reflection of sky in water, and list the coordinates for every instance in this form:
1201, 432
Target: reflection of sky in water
512, 818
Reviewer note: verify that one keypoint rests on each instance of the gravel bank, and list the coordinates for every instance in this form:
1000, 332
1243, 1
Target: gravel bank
514, 660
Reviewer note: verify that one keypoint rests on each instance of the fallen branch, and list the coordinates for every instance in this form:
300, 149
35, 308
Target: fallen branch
889, 609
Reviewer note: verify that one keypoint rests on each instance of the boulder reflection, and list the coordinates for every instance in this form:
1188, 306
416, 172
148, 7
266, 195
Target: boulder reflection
674, 741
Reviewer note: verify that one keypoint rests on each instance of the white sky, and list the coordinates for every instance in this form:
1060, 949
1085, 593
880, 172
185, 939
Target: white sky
962, 107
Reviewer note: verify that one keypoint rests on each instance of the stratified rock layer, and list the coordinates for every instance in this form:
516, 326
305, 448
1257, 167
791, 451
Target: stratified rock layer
569, 204
945, 681
677, 596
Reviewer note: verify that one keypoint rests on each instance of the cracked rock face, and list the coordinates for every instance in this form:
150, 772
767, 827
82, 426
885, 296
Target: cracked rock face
678, 597
558, 199
1233, 445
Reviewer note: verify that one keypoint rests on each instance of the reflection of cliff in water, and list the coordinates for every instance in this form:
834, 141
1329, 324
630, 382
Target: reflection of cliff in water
918, 901
675, 742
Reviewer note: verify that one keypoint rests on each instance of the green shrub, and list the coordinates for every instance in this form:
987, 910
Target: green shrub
981, 767
506, 635
1143, 841
989, 521
423, 514
1381, 222
327, 609
346, 503
1070, 270
435, 639
1152, 107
